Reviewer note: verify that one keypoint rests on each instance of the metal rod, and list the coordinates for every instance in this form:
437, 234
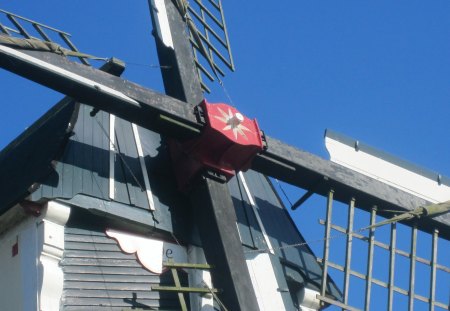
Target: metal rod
392, 265
373, 215
216, 51
348, 253
11, 30
227, 39
31, 21
205, 87
207, 30
377, 282
202, 20
387, 247
336, 303
73, 47
4, 30
302, 200
22, 30
218, 69
326, 249
203, 69
217, 6
434, 250
200, 69
309, 193
41, 32
412, 268
213, 17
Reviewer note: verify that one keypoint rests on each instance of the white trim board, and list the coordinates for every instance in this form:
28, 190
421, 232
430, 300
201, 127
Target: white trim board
386, 171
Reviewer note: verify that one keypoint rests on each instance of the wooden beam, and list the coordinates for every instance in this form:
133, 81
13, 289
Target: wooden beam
214, 214
216, 219
101, 90
180, 76
280, 161
303, 169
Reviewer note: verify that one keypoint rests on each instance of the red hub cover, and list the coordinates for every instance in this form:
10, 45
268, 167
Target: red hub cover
228, 143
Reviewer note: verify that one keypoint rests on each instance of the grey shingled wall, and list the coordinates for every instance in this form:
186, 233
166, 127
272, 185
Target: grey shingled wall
99, 276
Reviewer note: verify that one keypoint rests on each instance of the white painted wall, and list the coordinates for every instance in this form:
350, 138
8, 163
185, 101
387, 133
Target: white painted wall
18, 284
264, 282
50, 241
32, 279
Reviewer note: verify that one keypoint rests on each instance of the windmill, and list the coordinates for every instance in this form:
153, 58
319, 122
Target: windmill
172, 117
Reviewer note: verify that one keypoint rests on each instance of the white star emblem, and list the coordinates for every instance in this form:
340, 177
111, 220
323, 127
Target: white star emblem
233, 122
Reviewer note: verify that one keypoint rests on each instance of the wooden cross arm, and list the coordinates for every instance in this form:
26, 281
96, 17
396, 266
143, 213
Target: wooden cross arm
104, 91
175, 118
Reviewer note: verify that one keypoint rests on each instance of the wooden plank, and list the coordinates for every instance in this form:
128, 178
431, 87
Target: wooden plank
216, 221
107, 308
100, 262
180, 289
85, 246
111, 278
89, 239
99, 270
303, 169
117, 302
97, 255
108, 293
143, 107
104, 91
181, 80
126, 286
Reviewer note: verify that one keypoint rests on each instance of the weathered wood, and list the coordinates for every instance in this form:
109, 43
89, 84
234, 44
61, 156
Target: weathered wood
114, 302
176, 289
96, 254
304, 170
214, 213
281, 161
85, 286
87, 269
178, 70
218, 234
119, 293
91, 86
102, 262
73, 280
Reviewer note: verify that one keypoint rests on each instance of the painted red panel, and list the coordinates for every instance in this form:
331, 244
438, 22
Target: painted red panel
228, 143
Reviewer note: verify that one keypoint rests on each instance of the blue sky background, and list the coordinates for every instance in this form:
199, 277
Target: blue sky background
377, 71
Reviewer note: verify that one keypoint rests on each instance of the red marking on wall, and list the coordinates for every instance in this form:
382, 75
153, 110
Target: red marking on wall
15, 249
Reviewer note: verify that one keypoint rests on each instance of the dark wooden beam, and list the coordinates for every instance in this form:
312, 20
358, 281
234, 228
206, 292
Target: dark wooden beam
281, 161
104, 91
180, 76
214, 214
308, 171
216, 219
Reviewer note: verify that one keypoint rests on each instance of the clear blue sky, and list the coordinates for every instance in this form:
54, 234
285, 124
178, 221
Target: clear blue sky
378, 71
